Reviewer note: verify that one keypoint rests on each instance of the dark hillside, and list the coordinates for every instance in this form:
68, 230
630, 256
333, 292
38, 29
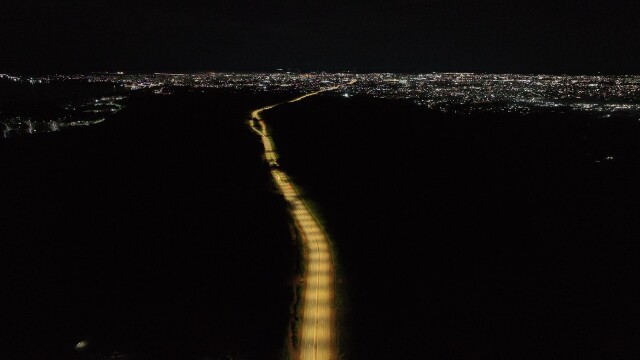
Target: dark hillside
156, 234
486, 236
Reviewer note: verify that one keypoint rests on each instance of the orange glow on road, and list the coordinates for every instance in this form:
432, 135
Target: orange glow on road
318, 316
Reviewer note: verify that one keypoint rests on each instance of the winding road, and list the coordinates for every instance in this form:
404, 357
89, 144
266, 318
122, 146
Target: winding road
318, 317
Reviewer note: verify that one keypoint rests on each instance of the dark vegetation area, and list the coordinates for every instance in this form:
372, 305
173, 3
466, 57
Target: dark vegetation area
156, 234
485, 236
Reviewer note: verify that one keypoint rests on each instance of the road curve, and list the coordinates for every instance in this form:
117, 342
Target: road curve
318, 318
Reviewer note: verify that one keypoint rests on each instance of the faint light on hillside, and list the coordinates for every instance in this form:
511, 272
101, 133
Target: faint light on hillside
81, 345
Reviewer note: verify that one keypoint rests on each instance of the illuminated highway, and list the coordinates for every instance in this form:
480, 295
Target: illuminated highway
318, 317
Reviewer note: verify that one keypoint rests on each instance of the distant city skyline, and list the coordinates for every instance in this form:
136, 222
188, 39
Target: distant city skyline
446, 92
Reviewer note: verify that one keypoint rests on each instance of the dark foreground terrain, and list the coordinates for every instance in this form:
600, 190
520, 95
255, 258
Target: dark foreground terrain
492, 236
155, 235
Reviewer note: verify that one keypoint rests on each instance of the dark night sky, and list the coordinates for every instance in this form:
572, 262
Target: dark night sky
254, 35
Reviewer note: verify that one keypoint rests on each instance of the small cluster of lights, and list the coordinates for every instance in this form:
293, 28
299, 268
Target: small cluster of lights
84, 113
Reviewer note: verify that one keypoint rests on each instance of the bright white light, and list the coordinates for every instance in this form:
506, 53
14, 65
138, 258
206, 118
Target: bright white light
82, 345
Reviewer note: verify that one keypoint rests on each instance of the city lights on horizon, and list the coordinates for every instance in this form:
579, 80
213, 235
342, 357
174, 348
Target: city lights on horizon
605, 95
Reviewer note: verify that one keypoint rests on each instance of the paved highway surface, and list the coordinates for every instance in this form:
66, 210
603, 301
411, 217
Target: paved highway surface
318, 333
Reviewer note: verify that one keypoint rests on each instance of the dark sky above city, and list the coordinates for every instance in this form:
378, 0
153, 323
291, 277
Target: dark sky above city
548, 36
